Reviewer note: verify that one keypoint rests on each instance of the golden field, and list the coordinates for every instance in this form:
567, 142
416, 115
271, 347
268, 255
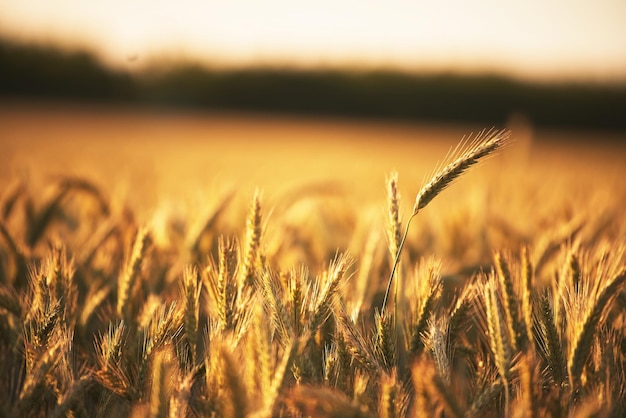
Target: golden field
181, 264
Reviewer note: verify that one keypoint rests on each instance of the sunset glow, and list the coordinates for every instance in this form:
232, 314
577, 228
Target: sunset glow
555, 40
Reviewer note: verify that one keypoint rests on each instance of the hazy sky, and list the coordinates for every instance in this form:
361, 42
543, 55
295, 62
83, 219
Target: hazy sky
532, 38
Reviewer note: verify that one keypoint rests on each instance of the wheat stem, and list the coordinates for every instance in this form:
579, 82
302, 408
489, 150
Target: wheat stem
396, 261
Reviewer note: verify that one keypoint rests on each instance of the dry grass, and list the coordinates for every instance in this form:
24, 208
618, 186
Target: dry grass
101, 316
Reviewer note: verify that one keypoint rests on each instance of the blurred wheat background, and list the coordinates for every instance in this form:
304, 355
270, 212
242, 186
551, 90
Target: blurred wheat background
240, 269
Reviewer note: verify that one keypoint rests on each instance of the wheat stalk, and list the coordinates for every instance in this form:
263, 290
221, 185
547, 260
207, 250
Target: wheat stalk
466, 154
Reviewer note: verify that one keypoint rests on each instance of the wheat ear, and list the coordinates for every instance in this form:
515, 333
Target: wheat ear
326, 299
394, 231
272, 298
515, 329
110, 372
527, 286
584, 338
34, 385
131, 271
429, 291
394, 227
465, 155
385, 339
253, 240
358, 347
191, 291
550, 342
498, 337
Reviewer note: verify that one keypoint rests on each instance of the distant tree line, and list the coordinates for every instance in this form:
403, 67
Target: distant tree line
37, 72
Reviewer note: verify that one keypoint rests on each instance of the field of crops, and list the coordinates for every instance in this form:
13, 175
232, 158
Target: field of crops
191, 265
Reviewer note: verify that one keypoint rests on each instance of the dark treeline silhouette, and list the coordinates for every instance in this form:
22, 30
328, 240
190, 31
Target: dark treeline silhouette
35, 72
45, 72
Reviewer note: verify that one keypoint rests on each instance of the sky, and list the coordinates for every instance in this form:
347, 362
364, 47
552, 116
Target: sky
534, 39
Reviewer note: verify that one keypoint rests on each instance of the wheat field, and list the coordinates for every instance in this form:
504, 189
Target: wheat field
481, 275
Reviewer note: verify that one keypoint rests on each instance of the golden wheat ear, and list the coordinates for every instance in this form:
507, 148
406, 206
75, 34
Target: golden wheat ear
191, 288
252, 241
131, 271
466, 154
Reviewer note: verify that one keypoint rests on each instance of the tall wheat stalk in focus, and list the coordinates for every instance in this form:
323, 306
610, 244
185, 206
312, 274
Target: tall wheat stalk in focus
466, 154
